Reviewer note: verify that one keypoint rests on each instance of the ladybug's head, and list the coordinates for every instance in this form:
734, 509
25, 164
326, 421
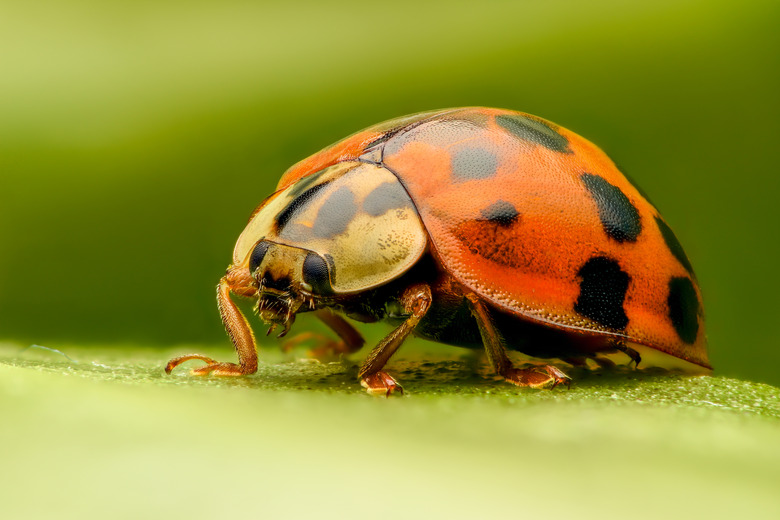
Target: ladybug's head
284, 279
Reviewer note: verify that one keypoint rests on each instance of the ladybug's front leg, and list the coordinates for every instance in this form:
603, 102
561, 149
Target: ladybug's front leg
542, 377
240, 333
416, 300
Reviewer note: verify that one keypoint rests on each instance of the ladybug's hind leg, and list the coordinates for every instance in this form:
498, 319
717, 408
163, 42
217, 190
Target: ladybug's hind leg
416, 300
546, 376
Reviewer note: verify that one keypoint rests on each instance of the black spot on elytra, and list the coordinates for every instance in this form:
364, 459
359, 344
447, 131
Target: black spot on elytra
684, 308
315, 273
386, 196
335, 214
618, 216
673, 244
501, 212
602, 292
297, 204
473, 163
536, 131
493, 241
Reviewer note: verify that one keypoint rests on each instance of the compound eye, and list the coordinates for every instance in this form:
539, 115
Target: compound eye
316, 274
257, 255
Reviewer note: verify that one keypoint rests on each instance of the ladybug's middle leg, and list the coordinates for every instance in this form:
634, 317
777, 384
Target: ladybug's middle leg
325, 348
542, 377
416, 300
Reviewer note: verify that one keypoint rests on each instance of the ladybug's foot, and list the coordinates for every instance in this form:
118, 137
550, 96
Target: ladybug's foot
546, 376
213, 367
325, 349
381, 383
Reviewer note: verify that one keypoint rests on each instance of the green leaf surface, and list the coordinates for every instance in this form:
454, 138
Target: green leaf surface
104, 432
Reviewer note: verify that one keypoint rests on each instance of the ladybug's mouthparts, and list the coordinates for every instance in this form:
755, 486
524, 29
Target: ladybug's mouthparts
277, 310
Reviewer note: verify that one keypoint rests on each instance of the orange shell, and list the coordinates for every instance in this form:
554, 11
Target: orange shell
538, 221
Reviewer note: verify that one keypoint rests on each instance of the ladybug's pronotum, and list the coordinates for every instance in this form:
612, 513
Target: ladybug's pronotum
473, 227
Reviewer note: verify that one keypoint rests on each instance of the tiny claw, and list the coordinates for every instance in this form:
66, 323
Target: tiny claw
558, 377
271, 329
287, 325
546, 376
173, 363
381, 383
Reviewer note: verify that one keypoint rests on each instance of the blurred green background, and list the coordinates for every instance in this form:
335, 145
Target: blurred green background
136, 138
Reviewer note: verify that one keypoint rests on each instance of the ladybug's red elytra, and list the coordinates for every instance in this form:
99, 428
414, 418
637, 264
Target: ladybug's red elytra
474, 227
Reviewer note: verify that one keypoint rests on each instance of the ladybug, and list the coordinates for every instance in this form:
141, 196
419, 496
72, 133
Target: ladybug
473, 227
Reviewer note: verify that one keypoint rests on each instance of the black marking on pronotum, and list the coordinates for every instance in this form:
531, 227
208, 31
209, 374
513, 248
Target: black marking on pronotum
335, 214
501, 212
386, 196
304, 183
473, 163
536, 131
618, 216
673, 244
315, 273
257, 255
602, 292
297, 203
684, 308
